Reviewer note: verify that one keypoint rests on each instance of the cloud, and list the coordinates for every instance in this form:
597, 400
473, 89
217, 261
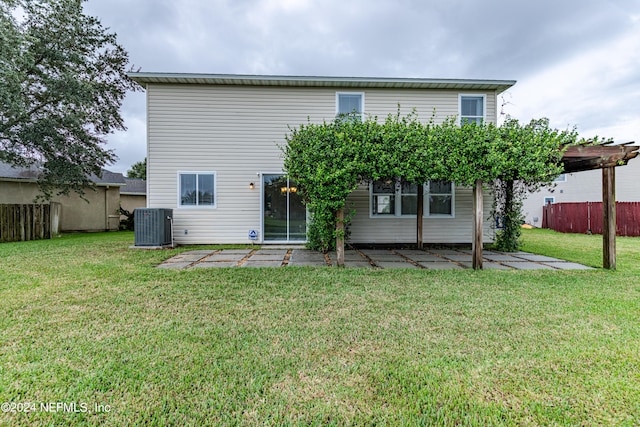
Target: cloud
575, 63
595, 90
131, 145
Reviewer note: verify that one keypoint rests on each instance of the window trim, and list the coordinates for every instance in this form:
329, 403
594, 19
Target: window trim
337, 112
398, 204
475, 95
394, 195
552, 199
307, 214
197, 173
427, 193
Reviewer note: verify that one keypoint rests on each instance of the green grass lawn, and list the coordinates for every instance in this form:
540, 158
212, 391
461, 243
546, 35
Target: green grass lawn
86, 320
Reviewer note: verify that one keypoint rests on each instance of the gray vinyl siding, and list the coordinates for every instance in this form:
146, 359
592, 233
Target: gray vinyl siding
584, 187
235, 131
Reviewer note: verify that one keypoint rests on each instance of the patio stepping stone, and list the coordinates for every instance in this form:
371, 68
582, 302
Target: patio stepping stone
391, 264
348, 256
566, 265
527, 265
273, 252
236, 251
434, 259
493, 266
410, 252
224, 256
355, 264
386, 258
375, 251
537, 258
307, 264
301, 257
425, 257
174, 265
500, 257
444, 251
262, 263
440, 266
458, 258
217, 264
268, 255
187, 257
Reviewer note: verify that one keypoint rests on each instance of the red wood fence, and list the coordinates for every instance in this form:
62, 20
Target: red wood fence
586, 217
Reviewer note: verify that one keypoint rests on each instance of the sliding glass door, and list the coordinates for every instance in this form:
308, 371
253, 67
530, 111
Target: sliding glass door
284, 217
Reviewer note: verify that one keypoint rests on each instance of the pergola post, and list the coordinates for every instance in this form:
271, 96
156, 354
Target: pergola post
419, 215
477, 226
609, 217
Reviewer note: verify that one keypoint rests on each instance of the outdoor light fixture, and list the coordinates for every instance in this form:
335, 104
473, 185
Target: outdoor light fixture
251, 186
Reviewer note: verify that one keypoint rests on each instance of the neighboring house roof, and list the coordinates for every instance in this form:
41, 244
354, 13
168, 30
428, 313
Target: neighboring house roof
12, 173
311, 81
134, 187
108, 178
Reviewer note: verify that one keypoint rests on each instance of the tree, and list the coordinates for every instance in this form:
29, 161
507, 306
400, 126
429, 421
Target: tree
531, 158
62, 82
138, 170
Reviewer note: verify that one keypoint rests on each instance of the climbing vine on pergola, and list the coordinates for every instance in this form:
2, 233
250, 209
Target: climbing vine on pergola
329, 160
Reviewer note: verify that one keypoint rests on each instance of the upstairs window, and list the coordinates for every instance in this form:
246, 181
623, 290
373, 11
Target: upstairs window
197, 189
350, 104
472, 109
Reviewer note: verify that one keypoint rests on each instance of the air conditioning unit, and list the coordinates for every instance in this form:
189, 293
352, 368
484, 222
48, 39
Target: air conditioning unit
152, 227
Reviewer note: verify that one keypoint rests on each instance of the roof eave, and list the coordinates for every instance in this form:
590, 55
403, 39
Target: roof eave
145, 78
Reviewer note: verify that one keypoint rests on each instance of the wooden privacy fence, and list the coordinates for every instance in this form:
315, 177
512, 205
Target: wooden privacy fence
586, 217
28, 222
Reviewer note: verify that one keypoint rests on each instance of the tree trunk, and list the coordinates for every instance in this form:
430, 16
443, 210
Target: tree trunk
340, 237
508, 203
419, 224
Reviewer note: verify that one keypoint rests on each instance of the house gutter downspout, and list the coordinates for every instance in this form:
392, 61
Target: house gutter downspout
106, 208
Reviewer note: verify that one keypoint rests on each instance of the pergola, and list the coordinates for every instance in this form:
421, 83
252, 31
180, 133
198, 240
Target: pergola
578, 158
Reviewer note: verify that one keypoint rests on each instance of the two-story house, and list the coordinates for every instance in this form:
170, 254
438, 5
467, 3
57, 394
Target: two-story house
214, 156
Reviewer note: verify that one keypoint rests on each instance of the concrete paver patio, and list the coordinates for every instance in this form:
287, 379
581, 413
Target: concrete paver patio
429, 259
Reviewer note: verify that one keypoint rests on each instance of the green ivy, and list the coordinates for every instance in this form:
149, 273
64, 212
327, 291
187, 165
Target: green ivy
329, 161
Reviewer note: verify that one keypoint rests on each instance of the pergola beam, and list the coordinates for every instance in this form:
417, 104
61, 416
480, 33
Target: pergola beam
578, 158
583, 157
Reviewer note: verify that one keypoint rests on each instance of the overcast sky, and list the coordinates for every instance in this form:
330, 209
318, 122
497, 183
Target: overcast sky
576, 62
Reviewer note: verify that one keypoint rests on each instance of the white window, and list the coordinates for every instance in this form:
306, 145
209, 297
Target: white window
409, 198
350, 103
561, 178
197, 189
440, 198
394, 198
549, 200
383, 197
472, 108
